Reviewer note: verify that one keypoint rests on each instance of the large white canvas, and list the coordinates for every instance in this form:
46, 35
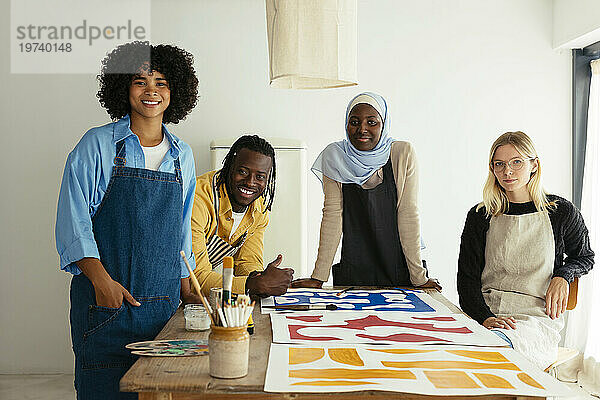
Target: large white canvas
428, 370
401, 300
380, 327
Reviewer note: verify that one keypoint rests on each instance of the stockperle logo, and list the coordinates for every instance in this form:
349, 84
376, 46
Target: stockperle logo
73, 36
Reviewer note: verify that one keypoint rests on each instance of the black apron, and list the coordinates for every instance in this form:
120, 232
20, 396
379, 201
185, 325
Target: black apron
371, 251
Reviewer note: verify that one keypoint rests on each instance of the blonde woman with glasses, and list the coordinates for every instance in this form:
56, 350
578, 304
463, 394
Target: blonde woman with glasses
520, 249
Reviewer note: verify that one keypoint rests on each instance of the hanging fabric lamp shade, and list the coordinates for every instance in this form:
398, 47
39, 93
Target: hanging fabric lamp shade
312, 43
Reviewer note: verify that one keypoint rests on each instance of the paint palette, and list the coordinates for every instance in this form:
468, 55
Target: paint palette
405, 300
169, 348
380, 327
428, 370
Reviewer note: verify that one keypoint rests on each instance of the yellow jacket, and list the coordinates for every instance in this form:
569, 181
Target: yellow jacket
204, 223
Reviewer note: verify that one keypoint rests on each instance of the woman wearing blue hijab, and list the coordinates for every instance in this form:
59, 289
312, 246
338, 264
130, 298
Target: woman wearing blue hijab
370, 184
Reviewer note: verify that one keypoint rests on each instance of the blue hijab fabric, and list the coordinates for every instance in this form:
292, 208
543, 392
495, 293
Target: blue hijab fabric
342, 162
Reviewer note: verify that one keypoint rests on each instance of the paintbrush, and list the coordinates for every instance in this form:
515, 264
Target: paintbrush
341, 292
304, 307
227, 280
197, 287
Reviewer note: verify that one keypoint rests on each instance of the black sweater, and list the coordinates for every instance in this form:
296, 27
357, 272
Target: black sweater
570, 239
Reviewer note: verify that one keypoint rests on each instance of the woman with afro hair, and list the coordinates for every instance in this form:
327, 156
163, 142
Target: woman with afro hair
124, 213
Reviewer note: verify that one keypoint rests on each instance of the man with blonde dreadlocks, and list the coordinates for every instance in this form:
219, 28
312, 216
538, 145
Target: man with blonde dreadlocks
229, 218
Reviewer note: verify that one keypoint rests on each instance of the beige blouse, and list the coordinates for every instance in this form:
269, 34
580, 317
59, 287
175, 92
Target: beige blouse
404, 166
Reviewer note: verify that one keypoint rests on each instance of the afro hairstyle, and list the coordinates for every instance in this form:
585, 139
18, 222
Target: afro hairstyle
122, 64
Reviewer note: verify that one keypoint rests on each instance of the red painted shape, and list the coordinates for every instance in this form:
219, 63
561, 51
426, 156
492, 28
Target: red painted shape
449, 319
372, 320
307, 318
403, 337
294, 334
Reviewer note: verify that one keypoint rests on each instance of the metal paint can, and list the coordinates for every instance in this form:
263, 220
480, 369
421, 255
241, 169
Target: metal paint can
215, 297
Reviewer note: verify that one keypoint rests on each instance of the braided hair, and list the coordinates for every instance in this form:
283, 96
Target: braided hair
259, 145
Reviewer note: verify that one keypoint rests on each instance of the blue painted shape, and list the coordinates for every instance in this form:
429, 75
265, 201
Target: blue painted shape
380, 300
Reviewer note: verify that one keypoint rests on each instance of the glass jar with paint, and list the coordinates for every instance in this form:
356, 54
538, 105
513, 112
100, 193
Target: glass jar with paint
196, 317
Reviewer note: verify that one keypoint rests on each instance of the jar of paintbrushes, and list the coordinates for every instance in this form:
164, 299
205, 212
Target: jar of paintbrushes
228, 341
228, 351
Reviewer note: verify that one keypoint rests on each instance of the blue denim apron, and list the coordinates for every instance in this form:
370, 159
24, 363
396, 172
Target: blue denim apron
138, 232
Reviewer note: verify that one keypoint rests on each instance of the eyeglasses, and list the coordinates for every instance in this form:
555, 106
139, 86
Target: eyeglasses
515, 164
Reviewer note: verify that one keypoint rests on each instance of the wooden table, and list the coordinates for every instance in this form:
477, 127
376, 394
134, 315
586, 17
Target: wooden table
187, 378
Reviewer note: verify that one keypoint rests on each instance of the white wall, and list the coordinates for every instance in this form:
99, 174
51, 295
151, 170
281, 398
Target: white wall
576, 23
456, 74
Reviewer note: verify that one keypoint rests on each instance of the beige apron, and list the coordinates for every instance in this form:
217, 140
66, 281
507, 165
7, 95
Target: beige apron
519, 261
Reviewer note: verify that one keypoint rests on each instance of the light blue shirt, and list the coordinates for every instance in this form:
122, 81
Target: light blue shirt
85, 179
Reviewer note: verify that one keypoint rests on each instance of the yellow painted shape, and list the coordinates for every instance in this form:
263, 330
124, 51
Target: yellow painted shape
334, 383
493, 356
401, 351
346, 356
449, 365
451, 380
347, 373
523, 377
305, 355
493, 381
